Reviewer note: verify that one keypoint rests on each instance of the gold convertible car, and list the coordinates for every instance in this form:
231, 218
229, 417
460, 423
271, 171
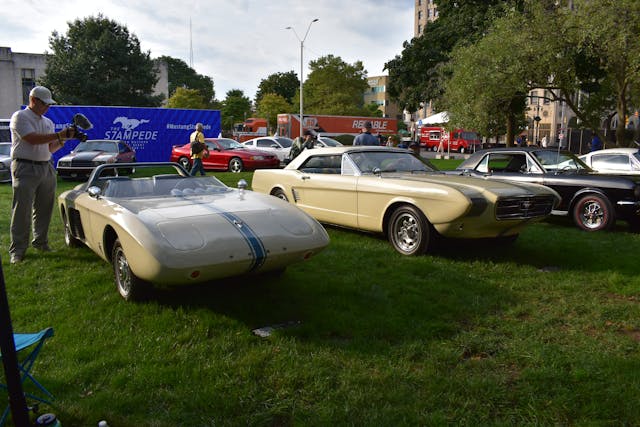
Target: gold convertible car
158, 225
392, 191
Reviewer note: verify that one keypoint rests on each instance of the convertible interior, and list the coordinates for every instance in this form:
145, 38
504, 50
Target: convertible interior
159, 185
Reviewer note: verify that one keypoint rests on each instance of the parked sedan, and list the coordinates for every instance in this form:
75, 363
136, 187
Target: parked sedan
325, 141
619, 161
278, 145
160, 226
80, 162
226, 154
593, 201
5, 162
392, 191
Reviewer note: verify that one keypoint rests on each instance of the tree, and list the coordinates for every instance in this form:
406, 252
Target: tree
235, 108
186, 98
270, 106
334, 87
181, 75
284, 84
98, 62
419, 73
489, 80
610, 31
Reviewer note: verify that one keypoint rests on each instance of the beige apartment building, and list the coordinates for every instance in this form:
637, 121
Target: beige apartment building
377, 94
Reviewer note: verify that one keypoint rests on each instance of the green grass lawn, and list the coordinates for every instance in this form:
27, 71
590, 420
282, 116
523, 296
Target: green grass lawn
546, 332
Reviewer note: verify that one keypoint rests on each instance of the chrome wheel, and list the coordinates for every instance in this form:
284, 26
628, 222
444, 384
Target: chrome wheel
593, 213
129, 286
409, 231
235, 165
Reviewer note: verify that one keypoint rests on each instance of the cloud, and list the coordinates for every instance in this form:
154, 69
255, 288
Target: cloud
236, 43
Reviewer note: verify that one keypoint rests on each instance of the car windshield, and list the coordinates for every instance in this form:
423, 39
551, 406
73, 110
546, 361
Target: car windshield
229, 144
284, 141
390, 161
162, 186
106, 146
5, 149
554, 161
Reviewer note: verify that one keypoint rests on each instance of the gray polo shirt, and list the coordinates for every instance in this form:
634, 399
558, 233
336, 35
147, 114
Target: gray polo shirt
23, 123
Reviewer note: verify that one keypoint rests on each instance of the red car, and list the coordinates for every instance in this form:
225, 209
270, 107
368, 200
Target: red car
226, 154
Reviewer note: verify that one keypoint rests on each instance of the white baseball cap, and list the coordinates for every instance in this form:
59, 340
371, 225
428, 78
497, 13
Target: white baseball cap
43, 94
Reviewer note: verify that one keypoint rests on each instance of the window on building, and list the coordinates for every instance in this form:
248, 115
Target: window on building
419, 15
28, 83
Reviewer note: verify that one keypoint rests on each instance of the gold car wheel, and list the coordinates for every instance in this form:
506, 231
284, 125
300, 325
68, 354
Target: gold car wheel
409, 231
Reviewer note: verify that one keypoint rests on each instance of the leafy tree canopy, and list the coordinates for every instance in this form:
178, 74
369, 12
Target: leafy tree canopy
334, 87
284, 84
181, 75
98, 62
270, 105
235, 108
419, 73
186, 98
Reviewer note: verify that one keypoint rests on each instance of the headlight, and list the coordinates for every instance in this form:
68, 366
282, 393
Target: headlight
64, 163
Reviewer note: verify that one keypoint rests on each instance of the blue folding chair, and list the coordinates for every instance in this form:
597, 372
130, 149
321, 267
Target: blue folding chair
30, 344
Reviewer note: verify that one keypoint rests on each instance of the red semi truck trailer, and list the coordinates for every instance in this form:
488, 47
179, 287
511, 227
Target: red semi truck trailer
289, 125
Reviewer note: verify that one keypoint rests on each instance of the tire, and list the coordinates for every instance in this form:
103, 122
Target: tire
129, 286
280, 194
593, 212
185, 162
69, 239
236, 165
409, 232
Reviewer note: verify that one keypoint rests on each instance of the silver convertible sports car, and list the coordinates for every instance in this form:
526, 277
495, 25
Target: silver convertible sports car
392, 191
160, 226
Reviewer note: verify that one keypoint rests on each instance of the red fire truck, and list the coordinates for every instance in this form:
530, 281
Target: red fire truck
460, 140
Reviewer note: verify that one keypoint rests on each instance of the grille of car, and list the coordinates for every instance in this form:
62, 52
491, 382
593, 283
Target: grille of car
524, 207
82, 163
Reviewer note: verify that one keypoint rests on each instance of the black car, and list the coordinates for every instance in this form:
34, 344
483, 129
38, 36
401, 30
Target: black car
80, 162
594, 201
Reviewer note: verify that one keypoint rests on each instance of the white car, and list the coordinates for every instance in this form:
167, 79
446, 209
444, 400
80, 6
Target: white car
325, 141
619, 161
5, 162
278, 145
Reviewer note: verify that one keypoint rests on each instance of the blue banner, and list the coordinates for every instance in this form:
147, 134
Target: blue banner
151, 132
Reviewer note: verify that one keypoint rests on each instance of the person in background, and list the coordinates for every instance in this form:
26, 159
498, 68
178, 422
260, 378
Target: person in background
197, 152
392, 141
300, 144
366, 138
33, 177
596, 142
415, 147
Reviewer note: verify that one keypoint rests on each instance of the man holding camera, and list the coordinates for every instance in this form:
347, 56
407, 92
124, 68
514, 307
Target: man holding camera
33, 177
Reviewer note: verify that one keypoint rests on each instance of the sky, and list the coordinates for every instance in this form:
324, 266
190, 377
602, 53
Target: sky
235, 42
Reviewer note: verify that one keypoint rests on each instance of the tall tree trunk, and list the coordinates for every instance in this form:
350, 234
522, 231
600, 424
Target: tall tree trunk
621, 108
511, 125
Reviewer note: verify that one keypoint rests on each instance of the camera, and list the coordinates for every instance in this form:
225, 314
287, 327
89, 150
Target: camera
80, 121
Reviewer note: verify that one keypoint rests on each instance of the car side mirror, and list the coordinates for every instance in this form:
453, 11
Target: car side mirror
94, 191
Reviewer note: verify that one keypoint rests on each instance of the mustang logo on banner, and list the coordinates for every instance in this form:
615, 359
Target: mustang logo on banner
151, 132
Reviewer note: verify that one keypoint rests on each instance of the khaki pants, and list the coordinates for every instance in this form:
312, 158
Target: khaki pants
34, 192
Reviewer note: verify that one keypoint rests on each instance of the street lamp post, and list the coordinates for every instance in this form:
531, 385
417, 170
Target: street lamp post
301, 40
